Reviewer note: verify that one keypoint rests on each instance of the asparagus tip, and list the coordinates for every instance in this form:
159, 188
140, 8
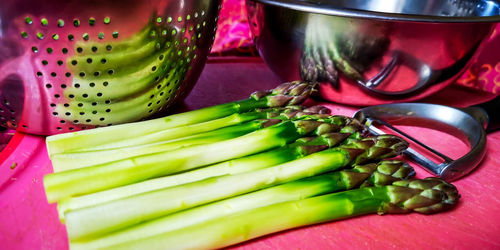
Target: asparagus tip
427, 196
270, 122
385, 172
318, 109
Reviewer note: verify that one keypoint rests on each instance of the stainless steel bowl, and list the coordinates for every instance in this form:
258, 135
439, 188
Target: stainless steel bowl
367, 52
67, 65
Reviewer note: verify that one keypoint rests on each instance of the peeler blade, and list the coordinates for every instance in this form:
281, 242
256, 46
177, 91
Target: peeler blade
446, 119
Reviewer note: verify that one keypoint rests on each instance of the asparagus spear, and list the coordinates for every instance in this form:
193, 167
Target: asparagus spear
285, 113
426, 196
169, 138
285, 94
134, 169
296, 150
68, 161
373, 174
114, 215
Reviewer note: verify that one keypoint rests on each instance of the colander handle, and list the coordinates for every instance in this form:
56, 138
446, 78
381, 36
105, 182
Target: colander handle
18, 88
16, 66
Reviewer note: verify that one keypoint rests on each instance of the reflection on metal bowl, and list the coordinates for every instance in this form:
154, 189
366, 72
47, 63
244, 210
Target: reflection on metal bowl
372, 51
72, 65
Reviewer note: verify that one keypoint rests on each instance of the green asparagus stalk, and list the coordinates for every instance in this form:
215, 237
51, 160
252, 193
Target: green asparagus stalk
68, 161
286, 94
296, 150
180, 132
373, 174
171, 138
91, 221
426, 196
285, 113
139, 168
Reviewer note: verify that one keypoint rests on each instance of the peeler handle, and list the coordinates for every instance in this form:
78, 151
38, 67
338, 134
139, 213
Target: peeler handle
492, 110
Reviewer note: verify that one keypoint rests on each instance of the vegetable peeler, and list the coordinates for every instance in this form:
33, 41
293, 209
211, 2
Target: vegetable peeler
469, 124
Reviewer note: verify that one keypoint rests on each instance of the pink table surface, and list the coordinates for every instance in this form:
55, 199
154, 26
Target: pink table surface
28, 222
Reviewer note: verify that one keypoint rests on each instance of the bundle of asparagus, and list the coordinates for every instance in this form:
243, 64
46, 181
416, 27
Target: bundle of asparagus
248, 160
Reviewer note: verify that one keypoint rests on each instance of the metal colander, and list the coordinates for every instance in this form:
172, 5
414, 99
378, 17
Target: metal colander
72, 65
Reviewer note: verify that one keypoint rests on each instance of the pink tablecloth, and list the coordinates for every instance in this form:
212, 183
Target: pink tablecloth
28, 222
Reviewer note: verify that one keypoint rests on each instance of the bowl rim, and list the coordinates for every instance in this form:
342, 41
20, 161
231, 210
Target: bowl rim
306, 6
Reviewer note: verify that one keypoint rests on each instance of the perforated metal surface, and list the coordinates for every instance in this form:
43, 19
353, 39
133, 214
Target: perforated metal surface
99, 63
